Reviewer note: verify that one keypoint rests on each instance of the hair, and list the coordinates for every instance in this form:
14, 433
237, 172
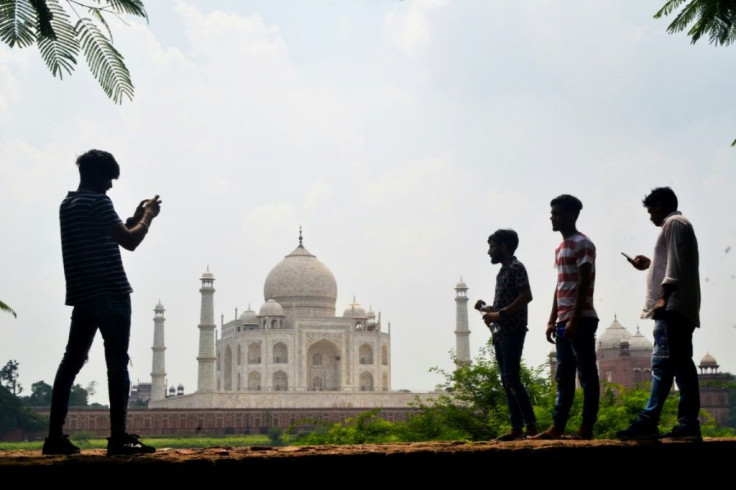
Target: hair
661, 196
97, 166
506, 237
568, 203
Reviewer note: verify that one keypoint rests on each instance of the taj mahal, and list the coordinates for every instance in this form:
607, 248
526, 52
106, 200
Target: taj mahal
295, 352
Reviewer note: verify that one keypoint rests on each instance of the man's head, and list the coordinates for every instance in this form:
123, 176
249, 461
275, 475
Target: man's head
565, 212
660, 203
97, 169
502, 245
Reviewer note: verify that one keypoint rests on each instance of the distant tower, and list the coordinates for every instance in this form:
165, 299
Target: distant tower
206, 357
158, 372
462, 331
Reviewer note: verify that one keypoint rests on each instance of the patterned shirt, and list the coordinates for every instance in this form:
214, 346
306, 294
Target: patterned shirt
92, 262
510, 280
573, 252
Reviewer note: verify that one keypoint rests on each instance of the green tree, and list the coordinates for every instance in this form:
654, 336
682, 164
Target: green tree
79, 397
8, 309
475, 404
14, 416
714, 18
9, 377
40, 395
48, 25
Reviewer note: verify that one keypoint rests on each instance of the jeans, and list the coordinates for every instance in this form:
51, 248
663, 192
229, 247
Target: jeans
508, 356
111, 315
577, 355
672, 359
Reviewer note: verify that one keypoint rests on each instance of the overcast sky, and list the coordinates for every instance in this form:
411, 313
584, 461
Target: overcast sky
398, 135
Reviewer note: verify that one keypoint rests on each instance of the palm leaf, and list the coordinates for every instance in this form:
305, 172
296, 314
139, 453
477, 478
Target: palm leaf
4, 307
60, 52
17, 23
104, 61
714, 17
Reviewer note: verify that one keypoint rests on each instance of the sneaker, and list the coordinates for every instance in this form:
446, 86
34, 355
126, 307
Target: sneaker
126, 445
639, 431
684, 433
60, 445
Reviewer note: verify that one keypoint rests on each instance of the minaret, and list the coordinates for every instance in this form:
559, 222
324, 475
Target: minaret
206, 357
158, 372
462, 331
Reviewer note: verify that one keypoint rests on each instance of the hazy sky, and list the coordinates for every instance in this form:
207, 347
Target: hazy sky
398, 135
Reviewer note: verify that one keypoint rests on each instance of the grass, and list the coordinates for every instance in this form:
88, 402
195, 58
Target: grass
158, 442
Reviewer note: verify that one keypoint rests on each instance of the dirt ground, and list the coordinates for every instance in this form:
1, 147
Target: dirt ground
427, 462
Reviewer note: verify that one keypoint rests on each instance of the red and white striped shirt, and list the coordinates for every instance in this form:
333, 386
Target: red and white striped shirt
573, 252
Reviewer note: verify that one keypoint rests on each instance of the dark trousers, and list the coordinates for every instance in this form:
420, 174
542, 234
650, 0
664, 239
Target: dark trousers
577, 356
111, 315
508, 351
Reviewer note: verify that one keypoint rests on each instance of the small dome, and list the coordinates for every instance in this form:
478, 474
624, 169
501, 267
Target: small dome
708, 361
159, 306
613, 336
639, 342
249, 317
271, 308
207, 274
461, 284
354, 310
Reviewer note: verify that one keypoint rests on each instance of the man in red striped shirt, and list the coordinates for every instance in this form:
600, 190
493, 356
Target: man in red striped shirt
573, 321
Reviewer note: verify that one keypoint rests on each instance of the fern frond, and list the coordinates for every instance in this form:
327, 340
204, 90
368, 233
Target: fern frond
132, 7
59, 53
17, 23
4, 307
97, 13
43, 14
104, 61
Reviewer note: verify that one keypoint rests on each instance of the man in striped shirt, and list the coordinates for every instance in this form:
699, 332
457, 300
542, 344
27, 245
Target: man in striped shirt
573, 321
98, 291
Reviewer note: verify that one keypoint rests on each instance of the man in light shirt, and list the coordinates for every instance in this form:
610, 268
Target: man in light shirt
673, 302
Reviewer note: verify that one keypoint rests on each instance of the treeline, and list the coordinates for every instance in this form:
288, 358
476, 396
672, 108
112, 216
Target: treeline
15, 410
473, 408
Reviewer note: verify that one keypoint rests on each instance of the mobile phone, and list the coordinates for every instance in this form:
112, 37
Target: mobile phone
627, 257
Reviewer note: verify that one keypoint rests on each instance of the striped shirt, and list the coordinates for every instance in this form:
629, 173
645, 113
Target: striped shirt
92, 262
573, 252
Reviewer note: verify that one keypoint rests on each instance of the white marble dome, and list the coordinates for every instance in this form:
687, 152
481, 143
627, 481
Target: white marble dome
354, 310
249, 317
271, 308
301, 281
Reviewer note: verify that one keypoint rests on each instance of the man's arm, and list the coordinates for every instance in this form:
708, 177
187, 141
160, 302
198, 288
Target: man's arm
523, 298
550, 331
130, 237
